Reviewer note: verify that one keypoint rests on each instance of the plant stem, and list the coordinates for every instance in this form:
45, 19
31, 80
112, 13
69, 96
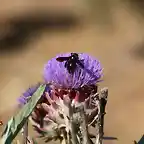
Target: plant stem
102, 101
73, 133
83, 125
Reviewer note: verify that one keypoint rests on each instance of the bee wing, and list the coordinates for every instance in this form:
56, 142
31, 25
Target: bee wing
61, 59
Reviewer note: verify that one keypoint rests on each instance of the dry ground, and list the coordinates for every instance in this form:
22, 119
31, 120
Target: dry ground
116, 39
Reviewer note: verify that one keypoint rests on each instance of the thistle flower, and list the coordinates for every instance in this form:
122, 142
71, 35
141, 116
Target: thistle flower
52, 115
56, 73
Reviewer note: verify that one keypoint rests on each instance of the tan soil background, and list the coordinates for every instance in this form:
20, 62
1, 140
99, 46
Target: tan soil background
31, 32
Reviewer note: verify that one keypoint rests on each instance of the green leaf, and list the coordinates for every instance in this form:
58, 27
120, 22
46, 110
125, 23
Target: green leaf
16, 123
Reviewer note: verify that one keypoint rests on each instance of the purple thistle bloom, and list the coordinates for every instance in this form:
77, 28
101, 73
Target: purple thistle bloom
23, 99
56, 73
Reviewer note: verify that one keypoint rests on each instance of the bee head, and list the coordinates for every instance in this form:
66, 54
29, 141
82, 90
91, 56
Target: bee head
75, 55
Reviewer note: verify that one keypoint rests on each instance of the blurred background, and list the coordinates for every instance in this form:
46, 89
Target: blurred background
32, 32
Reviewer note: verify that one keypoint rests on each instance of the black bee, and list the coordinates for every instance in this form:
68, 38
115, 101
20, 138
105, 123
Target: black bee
71, 62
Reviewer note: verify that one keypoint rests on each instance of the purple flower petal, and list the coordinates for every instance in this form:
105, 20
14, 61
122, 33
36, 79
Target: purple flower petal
23, 99
56, 73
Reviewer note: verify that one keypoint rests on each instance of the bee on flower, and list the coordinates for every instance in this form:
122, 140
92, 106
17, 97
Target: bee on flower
68, 77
